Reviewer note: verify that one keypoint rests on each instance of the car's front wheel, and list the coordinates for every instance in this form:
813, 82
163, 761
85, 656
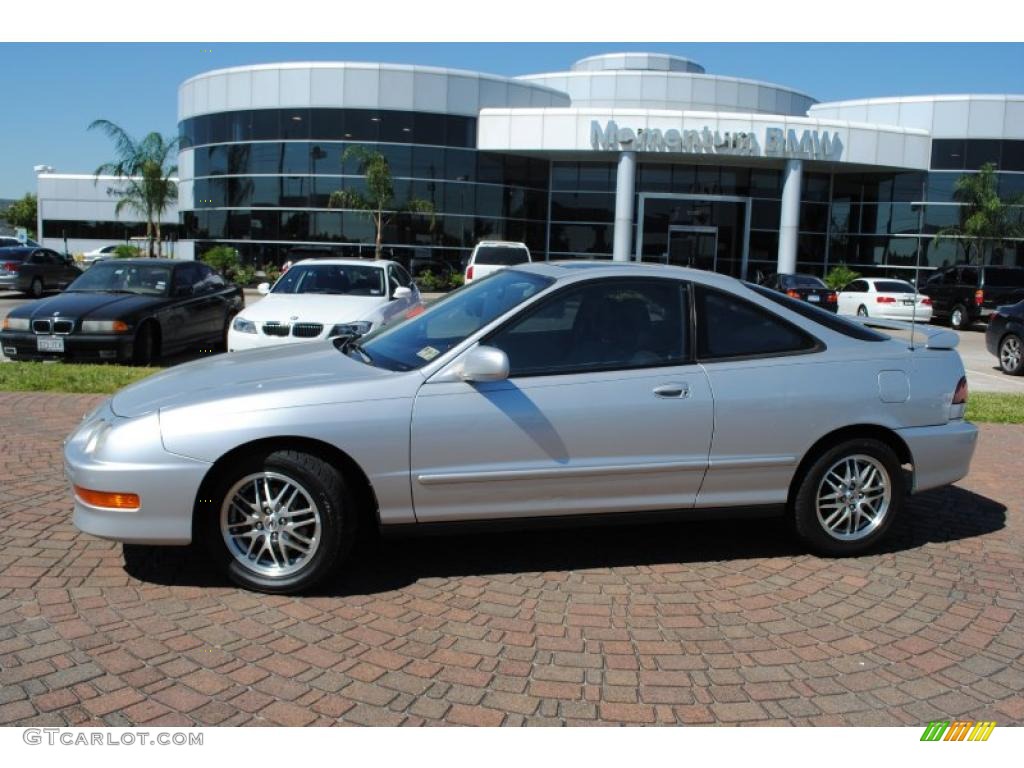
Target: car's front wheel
281, 522
849, 497
1011, 354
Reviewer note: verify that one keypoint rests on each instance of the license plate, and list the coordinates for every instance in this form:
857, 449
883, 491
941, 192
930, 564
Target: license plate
49, 344
814, 297
908, 302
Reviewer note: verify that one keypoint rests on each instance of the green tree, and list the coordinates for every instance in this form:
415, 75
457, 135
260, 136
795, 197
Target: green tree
145, 169
380, 194
23, 213
984, 216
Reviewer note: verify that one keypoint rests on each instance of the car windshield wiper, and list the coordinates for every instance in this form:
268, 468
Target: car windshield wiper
352, 344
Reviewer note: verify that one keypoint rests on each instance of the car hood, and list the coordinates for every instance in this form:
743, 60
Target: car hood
86, 304
312, 308
274, 377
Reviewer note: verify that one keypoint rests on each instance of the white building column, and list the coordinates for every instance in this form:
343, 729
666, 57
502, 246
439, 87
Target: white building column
789, 223
624, 185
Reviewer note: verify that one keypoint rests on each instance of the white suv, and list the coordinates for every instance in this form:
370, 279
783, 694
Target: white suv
491, 255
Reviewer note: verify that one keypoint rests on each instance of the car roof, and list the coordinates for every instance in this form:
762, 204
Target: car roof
502, 244
348, 262
578, 270
151, 262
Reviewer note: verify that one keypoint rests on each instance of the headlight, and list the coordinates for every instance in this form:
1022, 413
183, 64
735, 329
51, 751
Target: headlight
15, 323
358, 328
242, 325
104, 326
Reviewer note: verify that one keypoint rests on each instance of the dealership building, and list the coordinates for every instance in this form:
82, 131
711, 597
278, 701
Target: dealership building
622, 156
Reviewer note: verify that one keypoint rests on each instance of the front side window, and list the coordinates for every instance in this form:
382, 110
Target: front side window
730, 327
599, 326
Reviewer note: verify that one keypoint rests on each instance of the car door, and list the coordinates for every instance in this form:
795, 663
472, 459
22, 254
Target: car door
604, 410
765, 376
849, 296
188, 315
211, 301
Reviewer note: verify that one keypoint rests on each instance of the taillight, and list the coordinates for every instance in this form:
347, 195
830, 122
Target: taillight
793, 294
469, 272
926, 302
832, 298
979, 297
885, 300
10, 266
960, 396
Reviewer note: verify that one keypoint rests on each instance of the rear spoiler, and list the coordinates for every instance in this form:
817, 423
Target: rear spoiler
922, 334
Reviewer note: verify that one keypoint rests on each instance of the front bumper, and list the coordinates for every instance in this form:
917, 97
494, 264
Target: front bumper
133, 461
77, 346
239, 342
941, 454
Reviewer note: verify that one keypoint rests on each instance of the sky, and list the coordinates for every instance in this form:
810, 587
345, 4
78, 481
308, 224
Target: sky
52, 91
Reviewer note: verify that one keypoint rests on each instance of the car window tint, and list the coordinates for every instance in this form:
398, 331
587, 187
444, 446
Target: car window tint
501, 255
602, 325
728, 326
893, 286
1004, 277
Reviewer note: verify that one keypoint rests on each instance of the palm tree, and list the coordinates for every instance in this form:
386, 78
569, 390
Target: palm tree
983, 215
145, 167
380, 193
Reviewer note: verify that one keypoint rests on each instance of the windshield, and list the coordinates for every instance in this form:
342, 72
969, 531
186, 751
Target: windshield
416, 342
893, 286
1004, 277
347, 279
146, 279
501, 255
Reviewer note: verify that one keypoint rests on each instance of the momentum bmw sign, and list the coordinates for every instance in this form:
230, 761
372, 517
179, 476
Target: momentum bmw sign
777, 142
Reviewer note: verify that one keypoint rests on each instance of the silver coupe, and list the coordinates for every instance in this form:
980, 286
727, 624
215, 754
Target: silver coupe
545, 392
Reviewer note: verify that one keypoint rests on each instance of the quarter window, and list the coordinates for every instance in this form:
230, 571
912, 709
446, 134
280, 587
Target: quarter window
599, 326
730, 327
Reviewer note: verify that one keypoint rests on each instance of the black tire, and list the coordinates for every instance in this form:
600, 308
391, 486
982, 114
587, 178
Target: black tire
959, 318
812, 530
862, 311
1011, 354
36, 289
326, 490
146, 349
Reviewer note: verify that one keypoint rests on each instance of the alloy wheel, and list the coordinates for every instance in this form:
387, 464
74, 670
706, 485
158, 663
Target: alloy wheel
957, 319
853, 497
271, 524
1010, 354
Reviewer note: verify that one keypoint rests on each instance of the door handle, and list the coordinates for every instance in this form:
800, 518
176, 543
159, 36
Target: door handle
672, 391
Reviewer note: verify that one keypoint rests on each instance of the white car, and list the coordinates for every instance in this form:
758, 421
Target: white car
321, 298
491, 255
99, 254
886, 298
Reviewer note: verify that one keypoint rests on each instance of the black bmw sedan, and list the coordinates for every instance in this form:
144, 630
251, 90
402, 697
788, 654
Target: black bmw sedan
1004, 337
133, 310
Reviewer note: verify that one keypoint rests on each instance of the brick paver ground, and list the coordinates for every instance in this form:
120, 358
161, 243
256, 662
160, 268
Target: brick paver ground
689, 624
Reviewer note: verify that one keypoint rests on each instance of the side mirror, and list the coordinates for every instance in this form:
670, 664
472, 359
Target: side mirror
483, 363
263, 289
401, 292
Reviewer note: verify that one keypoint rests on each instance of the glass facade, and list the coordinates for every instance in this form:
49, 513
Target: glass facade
262, 180
103, 230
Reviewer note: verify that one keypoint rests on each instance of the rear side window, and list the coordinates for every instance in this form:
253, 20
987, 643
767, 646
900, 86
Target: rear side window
729, 327
835, 323
501, 256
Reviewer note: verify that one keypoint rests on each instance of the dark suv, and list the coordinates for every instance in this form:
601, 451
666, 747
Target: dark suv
964, 294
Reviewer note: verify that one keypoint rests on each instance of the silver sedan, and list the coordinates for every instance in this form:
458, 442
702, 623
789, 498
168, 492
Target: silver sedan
544, 391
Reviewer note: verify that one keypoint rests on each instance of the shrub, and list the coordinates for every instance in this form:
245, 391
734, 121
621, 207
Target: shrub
225, 260
127, 252
840, 276
428, 282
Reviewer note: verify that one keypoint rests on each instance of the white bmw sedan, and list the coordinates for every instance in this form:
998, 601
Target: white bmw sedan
544, 392
886, 298
321, 298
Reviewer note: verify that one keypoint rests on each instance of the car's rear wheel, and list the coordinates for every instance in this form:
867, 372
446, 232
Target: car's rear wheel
1011, 354
848, 497
862, 311
959, 318
36, 289
281, 522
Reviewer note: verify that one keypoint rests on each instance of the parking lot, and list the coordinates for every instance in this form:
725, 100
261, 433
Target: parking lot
712, 623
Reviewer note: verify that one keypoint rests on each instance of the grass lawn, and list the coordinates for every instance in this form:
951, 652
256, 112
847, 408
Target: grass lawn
68, 377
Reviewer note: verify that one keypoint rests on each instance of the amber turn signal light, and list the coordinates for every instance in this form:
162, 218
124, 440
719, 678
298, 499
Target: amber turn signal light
107, 499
